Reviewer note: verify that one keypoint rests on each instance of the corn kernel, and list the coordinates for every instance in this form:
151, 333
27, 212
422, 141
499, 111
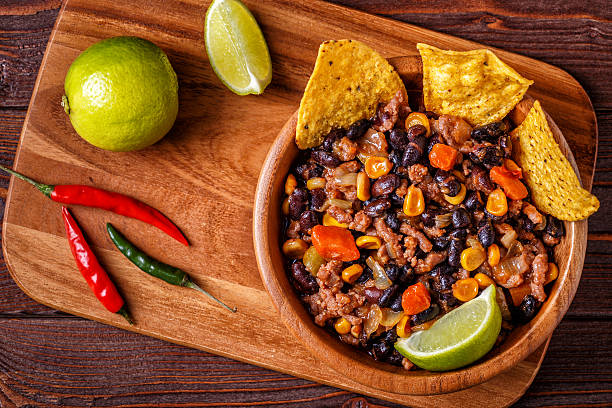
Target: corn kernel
368, 242
418, 118
356, 331
363, 186
290, 184
295, 248
497, 203
352, 273
414, 203
424, 326
330, 221
472, 258
483, 280
315, 182
376, 166
285, 206
403, 327
458, 198
342, 326
493, 255
552, 273
465, 289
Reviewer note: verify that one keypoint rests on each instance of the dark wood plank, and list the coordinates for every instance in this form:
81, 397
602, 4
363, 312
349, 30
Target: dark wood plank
576, 369
82, 363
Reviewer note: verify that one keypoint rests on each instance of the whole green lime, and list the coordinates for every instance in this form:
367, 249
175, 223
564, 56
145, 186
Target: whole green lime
121, 94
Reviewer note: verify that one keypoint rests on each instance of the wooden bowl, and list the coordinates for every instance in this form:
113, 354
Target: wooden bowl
356, 364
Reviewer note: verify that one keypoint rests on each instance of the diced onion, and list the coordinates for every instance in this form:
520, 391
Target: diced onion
389, 317
340, 203
349, 179
381, 280
508, 238
473, 242
503, 305
372, 321
443, 220
391, 251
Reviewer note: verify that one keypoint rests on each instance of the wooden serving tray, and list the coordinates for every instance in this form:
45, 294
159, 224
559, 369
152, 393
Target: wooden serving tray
203, 176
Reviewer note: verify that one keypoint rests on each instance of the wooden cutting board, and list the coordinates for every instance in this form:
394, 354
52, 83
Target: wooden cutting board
203, 176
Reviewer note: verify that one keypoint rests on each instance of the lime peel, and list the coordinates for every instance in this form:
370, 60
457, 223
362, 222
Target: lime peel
236, 47
458, 338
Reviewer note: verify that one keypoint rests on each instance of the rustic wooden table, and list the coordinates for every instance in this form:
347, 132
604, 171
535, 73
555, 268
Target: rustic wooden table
48, 358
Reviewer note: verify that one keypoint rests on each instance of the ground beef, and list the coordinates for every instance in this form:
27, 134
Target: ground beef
479, 180
550, 240
340, 214
345, 149
387, 115
391, 238
424, 243
514, 208
432, 259
361, 222
402, 190
539, 267
455, 131
417, 173
532, 213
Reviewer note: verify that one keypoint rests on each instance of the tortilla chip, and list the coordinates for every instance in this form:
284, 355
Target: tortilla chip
348, 82
554, 186
474, 85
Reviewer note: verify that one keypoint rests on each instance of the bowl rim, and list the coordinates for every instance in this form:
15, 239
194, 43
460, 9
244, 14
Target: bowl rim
350, 362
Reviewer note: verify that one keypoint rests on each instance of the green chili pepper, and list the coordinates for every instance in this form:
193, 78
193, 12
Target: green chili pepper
165, 272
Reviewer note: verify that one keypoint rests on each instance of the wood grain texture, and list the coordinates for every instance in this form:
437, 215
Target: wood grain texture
582, 365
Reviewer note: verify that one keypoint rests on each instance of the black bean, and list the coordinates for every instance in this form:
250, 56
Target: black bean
396, 303
390, 337
385, 185
433, 140
377, 207
365, 276
441, 269
397, 200
309, 170
395, 358
393, 272
388, 295
472, 202
439, 243
305, 282
490, 132
412, 155
357, 129
461, 218
443, 282
431, 115
426, 315
325, 158
406, 276
308, 220
429, 216
481, 180
328, 142
554, 227
298, 201
396, 157
527, 309
373, 294
489, 156
398, 139
527, 224
416, 134
317, 198
447, 182
506, 145
380, 350
392, 221
459, 234
486, 235
454, 252
447, 301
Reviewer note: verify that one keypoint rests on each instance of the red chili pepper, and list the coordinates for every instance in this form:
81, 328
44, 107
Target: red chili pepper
90, 268
106, 200
416, 299
334, 243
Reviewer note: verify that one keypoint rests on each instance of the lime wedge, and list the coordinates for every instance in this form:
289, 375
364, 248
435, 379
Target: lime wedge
459, 338
236, 47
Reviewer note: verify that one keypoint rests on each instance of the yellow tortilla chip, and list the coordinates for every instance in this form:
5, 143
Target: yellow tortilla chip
474, 85
554, 186
348, 82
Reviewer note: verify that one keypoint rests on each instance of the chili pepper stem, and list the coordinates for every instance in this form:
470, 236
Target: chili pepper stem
46, 189
123, 312
190, 284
